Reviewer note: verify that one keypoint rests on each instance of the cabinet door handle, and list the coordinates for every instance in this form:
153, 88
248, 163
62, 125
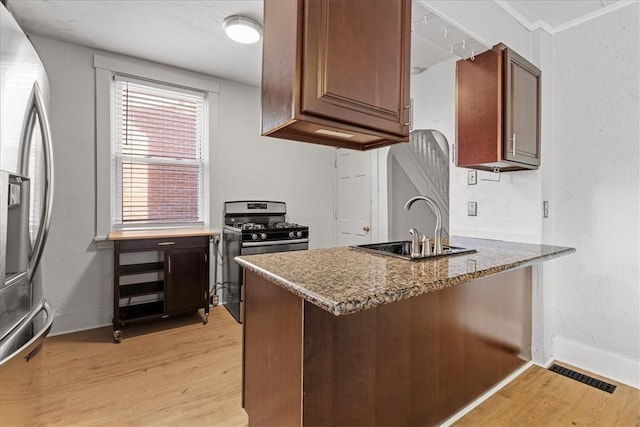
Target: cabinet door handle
514, 144
166, 243
411, 116
410, 108
169, 261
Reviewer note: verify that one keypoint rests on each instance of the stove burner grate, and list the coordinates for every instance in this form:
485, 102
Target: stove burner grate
270, 226
285, 225
251, 226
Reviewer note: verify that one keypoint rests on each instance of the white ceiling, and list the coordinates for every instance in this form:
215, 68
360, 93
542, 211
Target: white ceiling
183, 33
556, 15
188, 33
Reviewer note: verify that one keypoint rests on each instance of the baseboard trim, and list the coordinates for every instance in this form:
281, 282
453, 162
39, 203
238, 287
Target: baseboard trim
609, 365
66, 323
471, 406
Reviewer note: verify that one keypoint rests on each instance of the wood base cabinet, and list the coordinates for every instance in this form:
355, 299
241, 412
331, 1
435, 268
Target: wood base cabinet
156, 278
497, 112
336, 72
411, 362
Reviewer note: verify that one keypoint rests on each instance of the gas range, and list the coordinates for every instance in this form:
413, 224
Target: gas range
254, 227
262, 222
252, 232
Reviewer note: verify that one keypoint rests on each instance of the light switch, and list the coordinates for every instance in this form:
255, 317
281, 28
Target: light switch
473, 209
472, 178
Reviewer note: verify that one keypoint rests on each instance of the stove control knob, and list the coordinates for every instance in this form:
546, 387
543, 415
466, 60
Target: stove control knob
298, 233
291, 234
263, 236
254, 236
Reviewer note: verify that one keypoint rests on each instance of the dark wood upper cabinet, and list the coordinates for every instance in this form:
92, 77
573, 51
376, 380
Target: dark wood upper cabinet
336, 72
497, 112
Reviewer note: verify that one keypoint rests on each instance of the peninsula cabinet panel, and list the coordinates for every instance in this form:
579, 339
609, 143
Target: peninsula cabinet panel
272, 354
413, 362
497, 111
337, 72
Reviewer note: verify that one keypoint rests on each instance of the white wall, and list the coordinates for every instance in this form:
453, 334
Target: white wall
256, 167
77, 275
511, 208
588, 304
596, 292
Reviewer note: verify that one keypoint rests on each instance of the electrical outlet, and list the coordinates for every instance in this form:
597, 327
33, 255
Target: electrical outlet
545, 209
215, 300
473, 209
472, 178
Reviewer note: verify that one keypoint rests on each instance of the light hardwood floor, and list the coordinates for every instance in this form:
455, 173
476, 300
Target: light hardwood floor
169, 373
539, 397
180, 372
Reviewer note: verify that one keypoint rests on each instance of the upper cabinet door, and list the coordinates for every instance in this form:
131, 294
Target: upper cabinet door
336, 72
497, 112
354, 60
522, 110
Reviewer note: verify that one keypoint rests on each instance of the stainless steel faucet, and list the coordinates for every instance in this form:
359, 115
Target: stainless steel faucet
437, 250
415, 243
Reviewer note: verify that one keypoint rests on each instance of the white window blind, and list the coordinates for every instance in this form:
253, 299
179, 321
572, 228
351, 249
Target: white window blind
157, 154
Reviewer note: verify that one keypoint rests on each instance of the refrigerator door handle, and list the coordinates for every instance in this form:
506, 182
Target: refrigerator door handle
27, 349
36, 109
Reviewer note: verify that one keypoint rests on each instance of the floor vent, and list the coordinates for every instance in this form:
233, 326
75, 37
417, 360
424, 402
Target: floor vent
586, 379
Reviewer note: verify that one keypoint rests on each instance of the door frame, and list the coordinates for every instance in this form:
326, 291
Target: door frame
378, 195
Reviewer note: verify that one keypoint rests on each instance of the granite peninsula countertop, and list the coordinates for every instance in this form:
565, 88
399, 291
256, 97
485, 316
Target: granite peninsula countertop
344, 280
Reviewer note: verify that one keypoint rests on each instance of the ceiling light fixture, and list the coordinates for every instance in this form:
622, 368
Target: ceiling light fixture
242, 29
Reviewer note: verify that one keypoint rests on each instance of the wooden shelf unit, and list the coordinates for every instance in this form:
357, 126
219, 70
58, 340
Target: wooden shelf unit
181, 284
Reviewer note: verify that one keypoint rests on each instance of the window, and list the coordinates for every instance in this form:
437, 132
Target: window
201, 90
157, 154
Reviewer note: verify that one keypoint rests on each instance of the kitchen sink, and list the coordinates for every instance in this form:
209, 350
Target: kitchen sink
402, 250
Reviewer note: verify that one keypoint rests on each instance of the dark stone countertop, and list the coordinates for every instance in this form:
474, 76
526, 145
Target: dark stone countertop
344, 280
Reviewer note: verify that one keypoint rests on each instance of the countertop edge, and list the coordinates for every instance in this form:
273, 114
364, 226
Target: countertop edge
160, 233
353, 306
307, 295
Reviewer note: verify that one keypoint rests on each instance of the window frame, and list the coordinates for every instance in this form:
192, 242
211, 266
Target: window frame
118, 158
108, 66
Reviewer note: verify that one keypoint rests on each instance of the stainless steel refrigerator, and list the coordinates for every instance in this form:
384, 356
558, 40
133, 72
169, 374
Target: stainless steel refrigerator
26, 191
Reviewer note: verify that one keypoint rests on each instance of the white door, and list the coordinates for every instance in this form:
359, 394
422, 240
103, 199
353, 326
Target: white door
353, 201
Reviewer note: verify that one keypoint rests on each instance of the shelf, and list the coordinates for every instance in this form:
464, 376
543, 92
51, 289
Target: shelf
139, 289
137, 311
148, 267
143, 288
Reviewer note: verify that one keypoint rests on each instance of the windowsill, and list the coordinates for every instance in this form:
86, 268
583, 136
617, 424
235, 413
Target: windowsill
102, 242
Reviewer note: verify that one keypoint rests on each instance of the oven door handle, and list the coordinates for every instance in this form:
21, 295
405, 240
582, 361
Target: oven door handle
274, 242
